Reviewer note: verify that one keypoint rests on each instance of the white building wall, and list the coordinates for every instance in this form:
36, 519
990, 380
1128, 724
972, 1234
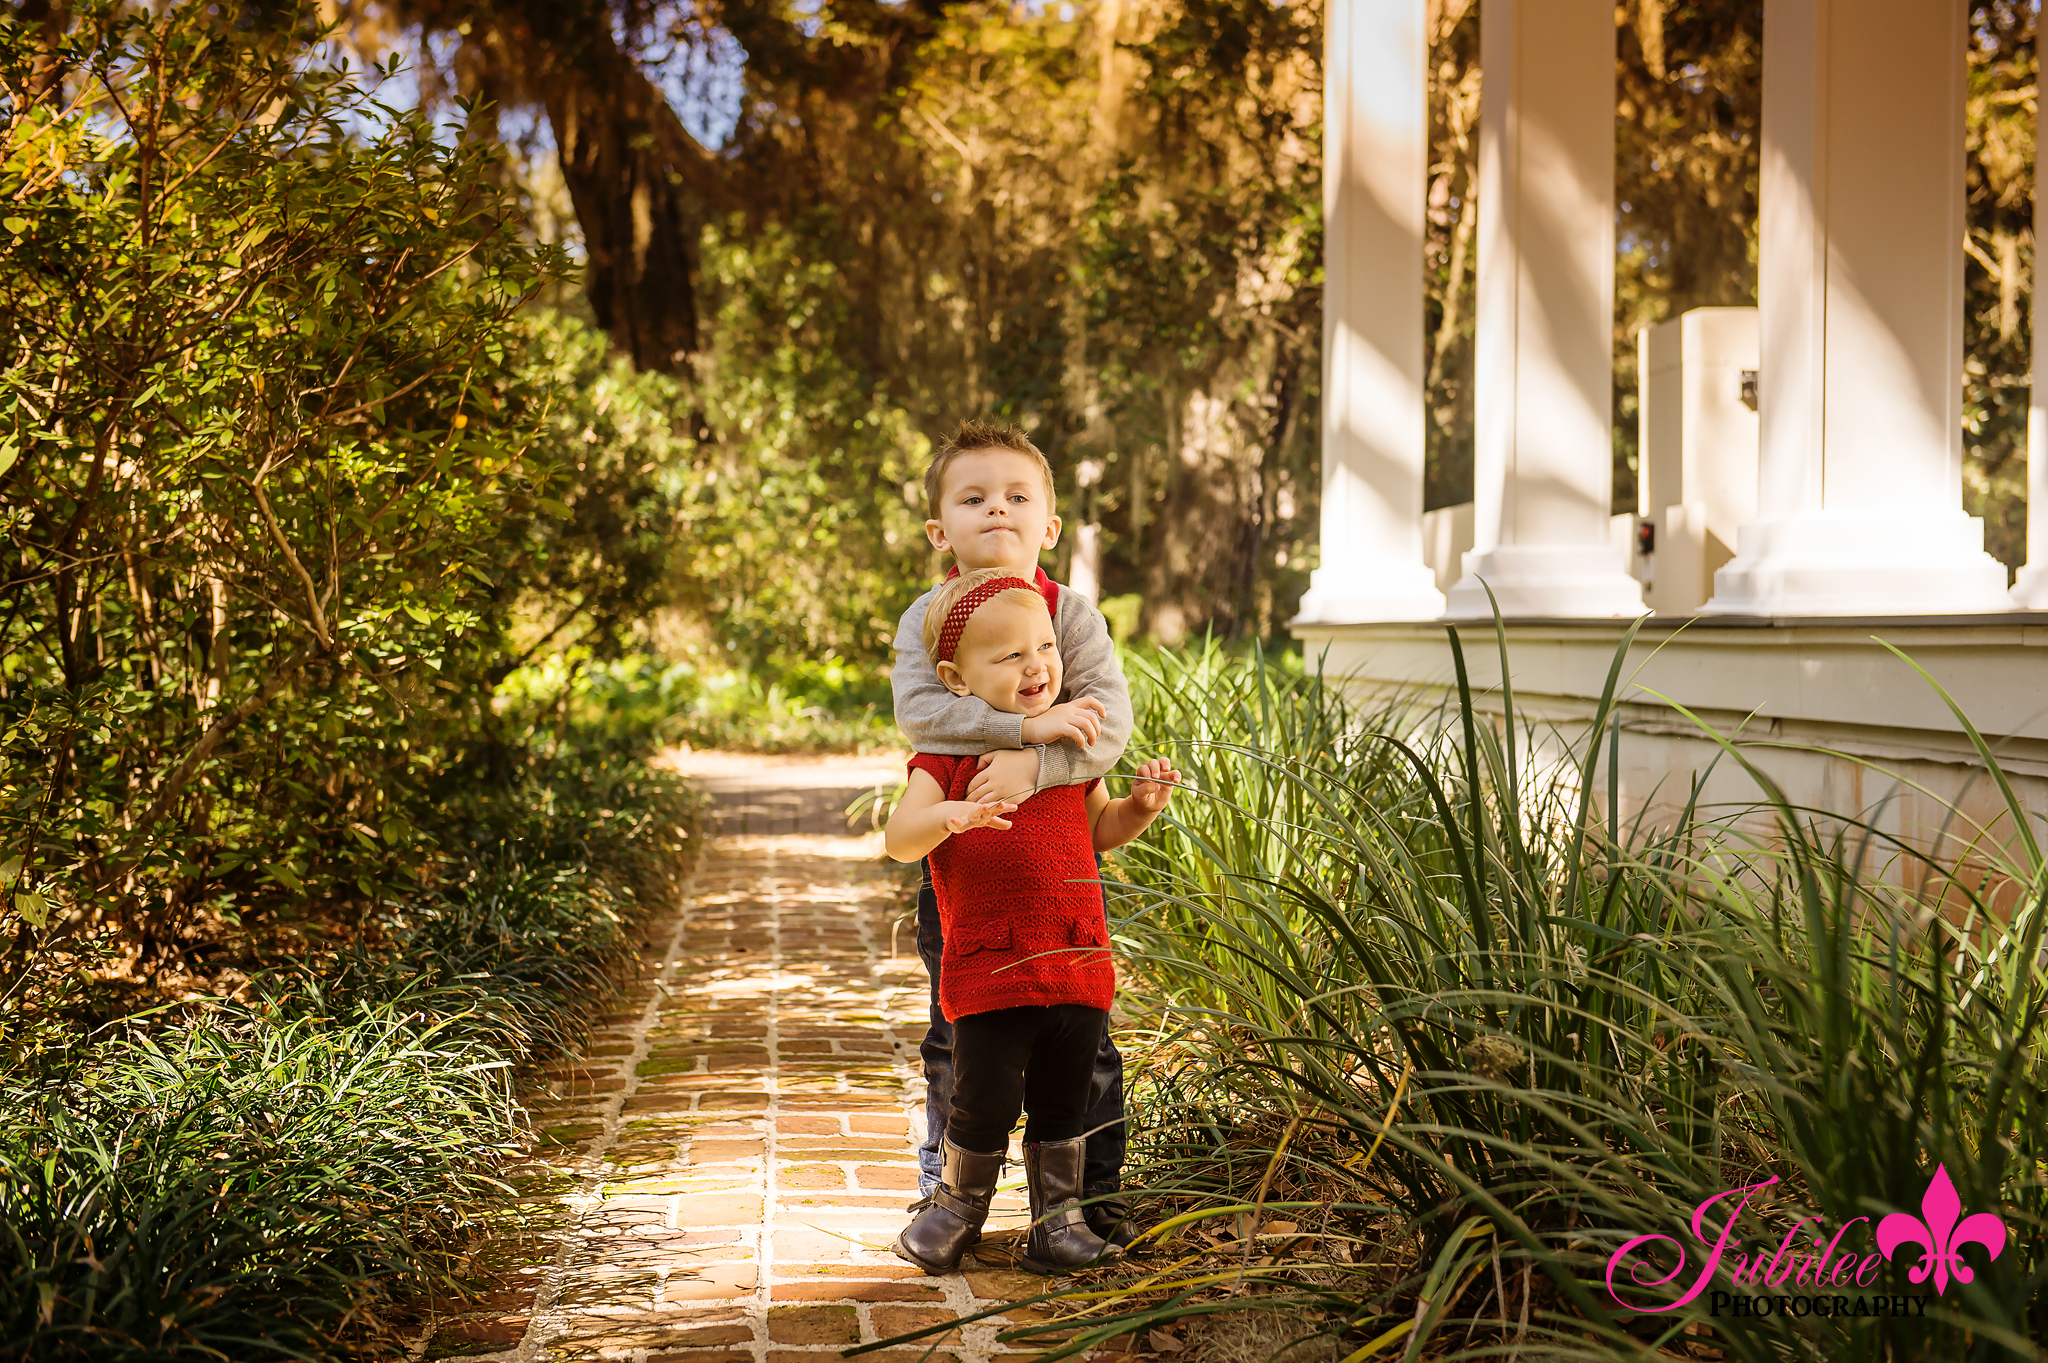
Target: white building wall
1837, 720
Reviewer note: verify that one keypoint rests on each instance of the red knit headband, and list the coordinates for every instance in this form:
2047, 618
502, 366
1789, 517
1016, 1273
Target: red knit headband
963, 610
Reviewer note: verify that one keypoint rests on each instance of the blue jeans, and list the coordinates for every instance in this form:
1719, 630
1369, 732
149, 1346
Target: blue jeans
1103, 1168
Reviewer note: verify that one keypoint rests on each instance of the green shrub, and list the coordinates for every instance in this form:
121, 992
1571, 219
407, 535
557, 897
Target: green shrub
292, 475
239, 1185
275, 1178
261, 436
819, 706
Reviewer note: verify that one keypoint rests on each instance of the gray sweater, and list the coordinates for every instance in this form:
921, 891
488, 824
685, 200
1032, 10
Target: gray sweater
937, 721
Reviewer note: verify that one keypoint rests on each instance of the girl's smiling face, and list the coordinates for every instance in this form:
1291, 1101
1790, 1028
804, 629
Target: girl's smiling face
1007, 656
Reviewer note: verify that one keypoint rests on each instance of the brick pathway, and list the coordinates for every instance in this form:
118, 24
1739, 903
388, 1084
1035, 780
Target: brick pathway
734, 1155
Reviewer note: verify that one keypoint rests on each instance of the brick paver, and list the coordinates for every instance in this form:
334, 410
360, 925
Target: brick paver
732, 1158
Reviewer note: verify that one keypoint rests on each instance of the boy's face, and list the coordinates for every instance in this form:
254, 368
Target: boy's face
994, 512
1007, 656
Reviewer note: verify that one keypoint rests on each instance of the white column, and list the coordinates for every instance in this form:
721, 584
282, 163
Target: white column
1376, 160
1543, 466
1860, 287
1697, 477
1084, 571
2030, 590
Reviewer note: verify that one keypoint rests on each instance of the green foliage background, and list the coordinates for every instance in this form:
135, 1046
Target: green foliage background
1099, 221
1103, 221
294, 476
296, 479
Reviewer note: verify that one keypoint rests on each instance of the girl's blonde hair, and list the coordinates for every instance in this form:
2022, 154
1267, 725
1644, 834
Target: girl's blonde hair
955, 588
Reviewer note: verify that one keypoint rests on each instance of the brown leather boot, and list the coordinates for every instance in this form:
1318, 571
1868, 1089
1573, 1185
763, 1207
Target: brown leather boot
1109, 1216
1060, 1239
944, 1230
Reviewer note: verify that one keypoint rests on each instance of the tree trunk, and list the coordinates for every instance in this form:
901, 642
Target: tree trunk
632, 172
1196, 541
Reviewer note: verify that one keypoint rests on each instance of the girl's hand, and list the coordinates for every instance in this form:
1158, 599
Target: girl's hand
987, 814
1153, 785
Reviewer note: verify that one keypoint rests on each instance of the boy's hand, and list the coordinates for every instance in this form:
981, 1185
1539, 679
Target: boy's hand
1005, 774
1153, 785
1080, 720
978, 814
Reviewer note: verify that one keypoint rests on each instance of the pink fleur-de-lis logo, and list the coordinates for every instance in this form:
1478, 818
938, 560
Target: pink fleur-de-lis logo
1935, 1230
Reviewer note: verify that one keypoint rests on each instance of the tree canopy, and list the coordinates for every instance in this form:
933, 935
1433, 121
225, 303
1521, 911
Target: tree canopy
1102, 221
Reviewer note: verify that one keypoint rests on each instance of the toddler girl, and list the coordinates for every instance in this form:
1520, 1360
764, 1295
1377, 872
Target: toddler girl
1026, 978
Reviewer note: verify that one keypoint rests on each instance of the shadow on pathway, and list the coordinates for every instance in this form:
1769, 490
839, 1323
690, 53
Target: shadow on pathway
733, 1157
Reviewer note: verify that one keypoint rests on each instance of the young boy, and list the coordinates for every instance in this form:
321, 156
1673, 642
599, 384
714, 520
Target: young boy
989, 494
1027, 980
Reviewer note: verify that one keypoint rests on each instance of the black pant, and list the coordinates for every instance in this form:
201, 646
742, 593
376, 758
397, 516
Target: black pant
1104, 1123
1036, 1060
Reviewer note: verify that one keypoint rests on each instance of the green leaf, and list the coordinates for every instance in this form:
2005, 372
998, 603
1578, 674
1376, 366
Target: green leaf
15, 225
423, 616
32, 907
283, 873
10, 871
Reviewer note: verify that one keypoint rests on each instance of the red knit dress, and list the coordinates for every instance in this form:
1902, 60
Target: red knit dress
1020, 908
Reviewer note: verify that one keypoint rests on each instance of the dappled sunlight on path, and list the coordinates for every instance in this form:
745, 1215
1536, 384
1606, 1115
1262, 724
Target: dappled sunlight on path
734, 1155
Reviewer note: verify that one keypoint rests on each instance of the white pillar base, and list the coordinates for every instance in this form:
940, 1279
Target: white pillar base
1846, 562
1547, 581
2030, 588
1368, 593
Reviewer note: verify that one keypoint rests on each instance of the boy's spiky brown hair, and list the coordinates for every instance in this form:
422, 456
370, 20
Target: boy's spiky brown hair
970, 436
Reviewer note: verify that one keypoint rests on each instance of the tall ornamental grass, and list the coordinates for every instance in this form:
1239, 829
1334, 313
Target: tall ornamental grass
1454, 1031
